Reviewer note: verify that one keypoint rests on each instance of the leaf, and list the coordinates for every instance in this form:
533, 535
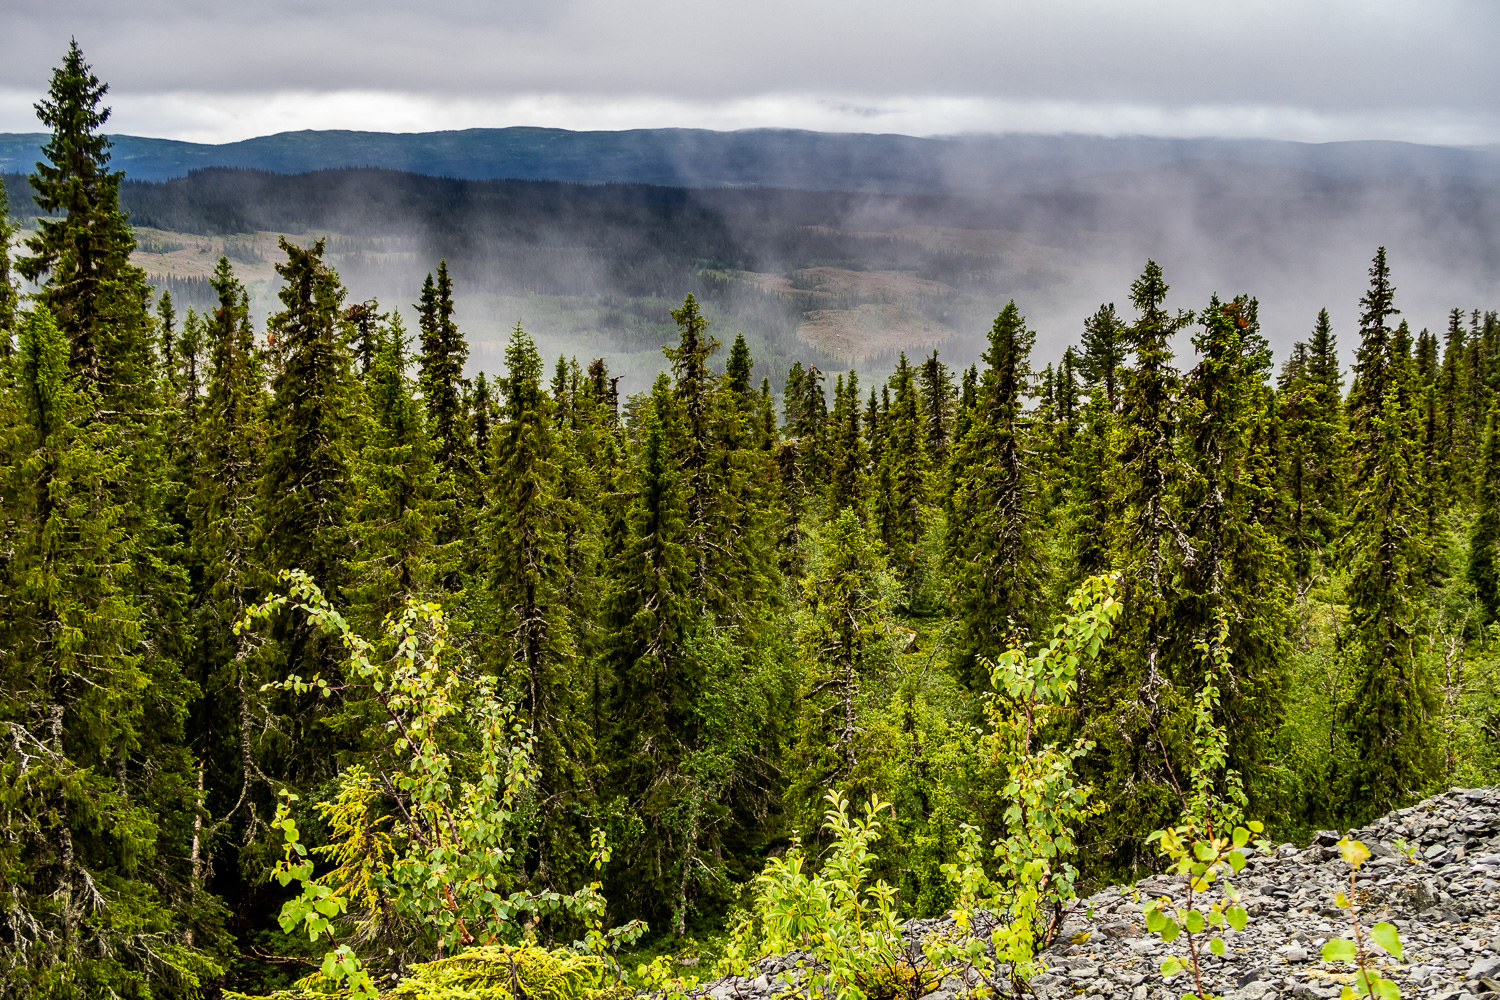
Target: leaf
1388, 938
1338, 950
1171, 966
1237, 917
1341, 901
1194, 922
1387, 989
1353, 852
1169, 933
1217, 946
1155, 921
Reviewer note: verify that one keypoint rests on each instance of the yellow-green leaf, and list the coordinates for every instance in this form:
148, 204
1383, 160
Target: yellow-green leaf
1388, 938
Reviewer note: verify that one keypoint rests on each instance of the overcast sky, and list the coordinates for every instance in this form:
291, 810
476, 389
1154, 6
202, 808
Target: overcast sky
207, 70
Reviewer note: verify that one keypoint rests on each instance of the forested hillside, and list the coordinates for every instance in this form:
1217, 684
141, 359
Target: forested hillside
840, 278
765, 157
299, 615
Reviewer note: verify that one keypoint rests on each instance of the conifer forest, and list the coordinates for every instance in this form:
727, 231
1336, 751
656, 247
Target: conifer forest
324, 656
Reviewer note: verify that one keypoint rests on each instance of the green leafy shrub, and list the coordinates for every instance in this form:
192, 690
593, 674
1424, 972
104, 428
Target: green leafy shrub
424, 854
1033, 880
846, 924
1208, 846
1368, 981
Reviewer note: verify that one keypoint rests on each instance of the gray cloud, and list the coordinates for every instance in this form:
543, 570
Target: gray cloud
1272, 67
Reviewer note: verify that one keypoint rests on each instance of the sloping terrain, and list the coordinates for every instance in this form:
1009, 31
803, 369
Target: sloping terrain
1435, 874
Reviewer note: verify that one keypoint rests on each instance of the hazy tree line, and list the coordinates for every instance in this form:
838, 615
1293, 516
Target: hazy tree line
706, 612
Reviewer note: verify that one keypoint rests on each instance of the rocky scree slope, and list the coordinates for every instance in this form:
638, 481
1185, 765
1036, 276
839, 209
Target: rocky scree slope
1435, 874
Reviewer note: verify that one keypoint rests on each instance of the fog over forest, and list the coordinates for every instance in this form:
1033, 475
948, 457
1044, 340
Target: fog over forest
841, 249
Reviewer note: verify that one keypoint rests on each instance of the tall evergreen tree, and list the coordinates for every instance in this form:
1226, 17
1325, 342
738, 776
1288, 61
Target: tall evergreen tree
444, 353
307, 484
1386, 719
937, 406
82, 260
842, 645
1453, 444
846, 485
94, 869
9, 295
395, 476
1312, 420
1105, 346
440, 380
693, 386
363, 321
528, 568
992, 555
902, 487
1090, 489
648, 619
224, 527
1237, 580
1134, 687
1484, 538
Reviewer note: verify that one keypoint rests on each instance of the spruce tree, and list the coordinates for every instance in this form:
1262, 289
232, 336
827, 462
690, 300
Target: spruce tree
363, 321
440, 381
227, 446
528, 566
1090, 492
937, 406
94, 871
82, 260
843, 648
1105, 347
1134, 687
846, 485
307, 485
481, 416
1312, 420
1237, 579
901, 493
1453, 443
1374, 378
648, 618
444, 353
738, 369
1484, 538
992, 557
9, 295
693, 387
395, 477
1387, 718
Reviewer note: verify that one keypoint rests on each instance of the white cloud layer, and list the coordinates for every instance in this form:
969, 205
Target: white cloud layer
1336, 69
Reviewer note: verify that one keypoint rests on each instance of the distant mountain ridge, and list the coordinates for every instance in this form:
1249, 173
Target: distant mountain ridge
776, 158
